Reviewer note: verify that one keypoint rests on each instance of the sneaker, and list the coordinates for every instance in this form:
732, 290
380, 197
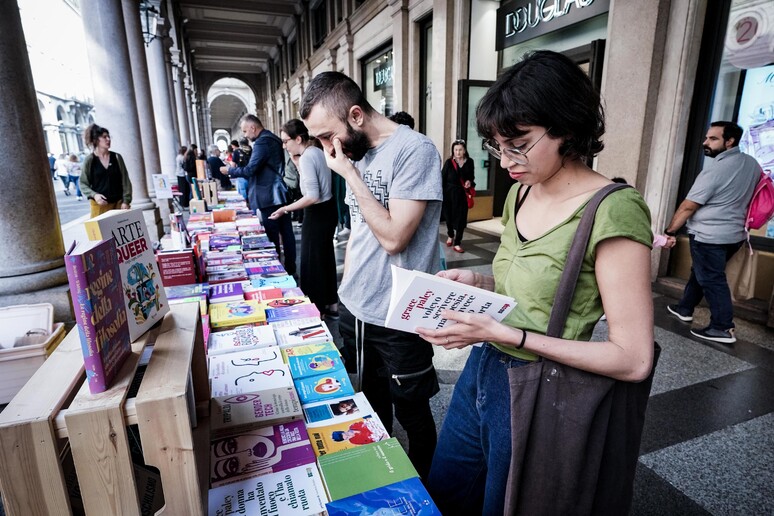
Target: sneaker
722, 336
675, 310
80, 198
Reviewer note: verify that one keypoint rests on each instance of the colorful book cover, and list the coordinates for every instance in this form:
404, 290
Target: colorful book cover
258, 452
324, 387
417, 300
253, 269
226, 292
238, 382
144, 295
286, 313
337, 436
292, 292
284, 302
227, 276
304, 366
176, 267
286, 281
243, 412
308, 349
366, 467
242, 338
184, 291
100, 313
226, 315
259, 254
244, 362
293, 492
407, 497
296, 332
347, 408
264, 294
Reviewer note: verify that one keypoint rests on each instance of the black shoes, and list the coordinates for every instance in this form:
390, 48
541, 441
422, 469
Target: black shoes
711, 334
675, 310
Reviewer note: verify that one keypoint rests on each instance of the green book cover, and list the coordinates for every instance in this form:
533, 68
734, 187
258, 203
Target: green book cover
366, 467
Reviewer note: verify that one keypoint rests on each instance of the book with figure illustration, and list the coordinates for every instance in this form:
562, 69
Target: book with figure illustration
326, 386
417, 300
241, 338
304, 366
238, 313
144, 295
100, 313
297, 332
243, 412
287, 313
242, 362
308, 349
405, 497
258, 452
333, 437
346, 408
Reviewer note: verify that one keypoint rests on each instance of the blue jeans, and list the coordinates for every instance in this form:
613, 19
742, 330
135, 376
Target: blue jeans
241, 184
708, 279
281, 227
470, 467
76, 180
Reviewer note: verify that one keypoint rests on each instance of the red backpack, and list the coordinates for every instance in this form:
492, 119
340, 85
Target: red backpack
761, 205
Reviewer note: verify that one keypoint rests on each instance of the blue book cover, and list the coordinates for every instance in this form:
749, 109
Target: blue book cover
304, 366
275, 281
407, 497
287, 313
324, 387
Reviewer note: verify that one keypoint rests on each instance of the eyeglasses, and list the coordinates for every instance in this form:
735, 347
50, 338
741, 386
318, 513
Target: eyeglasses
516, 155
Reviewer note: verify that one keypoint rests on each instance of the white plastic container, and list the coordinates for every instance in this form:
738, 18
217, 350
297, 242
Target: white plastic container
29, 336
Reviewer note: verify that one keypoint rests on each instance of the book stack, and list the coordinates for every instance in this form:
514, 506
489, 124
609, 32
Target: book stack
194, 293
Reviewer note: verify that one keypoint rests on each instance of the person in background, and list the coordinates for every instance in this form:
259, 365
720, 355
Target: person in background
240, 156
394, 194
403, 118
104, 179
318, 261
74, 171
52, 165
62, 173
215, 164
183, 185
457, 174
540, 119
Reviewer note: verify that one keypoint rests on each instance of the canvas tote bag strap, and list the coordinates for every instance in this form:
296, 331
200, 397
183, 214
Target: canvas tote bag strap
572, 266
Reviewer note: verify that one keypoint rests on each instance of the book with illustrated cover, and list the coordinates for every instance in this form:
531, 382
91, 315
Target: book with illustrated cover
286, 313
405, 497
347, 408
292, 292
294, 492
259, 451
308, 349
366, 467
285, 281
244, 362
304, 366
239, 381
243, 412
144, 295
324, 387
284, 302
264, 294
226, 293
256, 269
100, 313
241, 338
239, 313
337, 436
417, 299
297, 332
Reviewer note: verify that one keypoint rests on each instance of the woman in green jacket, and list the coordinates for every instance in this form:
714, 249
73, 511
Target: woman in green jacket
104, 179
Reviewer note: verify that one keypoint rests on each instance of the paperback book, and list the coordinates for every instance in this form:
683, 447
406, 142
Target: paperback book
144, 295
228, 315
308, 349
337, 436
304, 366
241, 338
417, 300
286, 281
176, 267
286, 313
347, 408
264, 294
195, 293
95, 288
243, 412
324, 387
284, 302
258, 452
297, 332
244, 362
258, 379
407, 497
226, 292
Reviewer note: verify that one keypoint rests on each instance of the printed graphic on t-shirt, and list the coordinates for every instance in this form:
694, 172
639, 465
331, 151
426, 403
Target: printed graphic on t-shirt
378, 187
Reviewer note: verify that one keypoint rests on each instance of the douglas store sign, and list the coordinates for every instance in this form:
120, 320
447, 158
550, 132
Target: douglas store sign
520, 20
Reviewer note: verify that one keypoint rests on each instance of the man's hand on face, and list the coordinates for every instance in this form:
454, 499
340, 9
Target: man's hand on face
338, 161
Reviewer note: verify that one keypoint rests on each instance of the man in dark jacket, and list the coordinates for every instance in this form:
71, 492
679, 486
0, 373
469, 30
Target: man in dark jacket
266, 192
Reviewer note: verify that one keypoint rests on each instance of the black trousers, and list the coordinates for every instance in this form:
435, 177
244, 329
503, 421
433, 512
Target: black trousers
281, 227
397, 370
185, 190
455, 211
317, 274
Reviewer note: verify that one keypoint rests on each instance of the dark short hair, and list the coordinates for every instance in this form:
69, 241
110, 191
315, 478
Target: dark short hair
337, 93
244, 141
403, 118
252, 119
294, 128
545, 89
182, 149
730, 130
92, 133
337, 435
234, 143
464, 146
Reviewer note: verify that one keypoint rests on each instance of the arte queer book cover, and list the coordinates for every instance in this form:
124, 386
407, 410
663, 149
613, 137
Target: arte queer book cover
144, 295
237, 414
417, 300
98, 301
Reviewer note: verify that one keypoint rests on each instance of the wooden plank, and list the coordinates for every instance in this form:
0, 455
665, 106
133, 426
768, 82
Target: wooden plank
163, 414
201, 380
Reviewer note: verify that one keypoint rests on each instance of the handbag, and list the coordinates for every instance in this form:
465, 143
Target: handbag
575, 435
470, 193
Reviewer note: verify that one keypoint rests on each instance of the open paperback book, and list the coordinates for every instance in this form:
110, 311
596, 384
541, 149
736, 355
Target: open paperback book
418, 298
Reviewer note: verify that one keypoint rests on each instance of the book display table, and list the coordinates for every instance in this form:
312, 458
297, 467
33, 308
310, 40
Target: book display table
54, 412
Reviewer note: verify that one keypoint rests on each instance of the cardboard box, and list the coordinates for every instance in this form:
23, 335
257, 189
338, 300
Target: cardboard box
197, 206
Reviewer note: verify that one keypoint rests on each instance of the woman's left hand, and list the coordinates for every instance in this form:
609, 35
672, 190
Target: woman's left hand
469, 329
467, 184
277, 214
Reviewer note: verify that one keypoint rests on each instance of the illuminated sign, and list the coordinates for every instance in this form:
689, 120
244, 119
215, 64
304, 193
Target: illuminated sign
383, 76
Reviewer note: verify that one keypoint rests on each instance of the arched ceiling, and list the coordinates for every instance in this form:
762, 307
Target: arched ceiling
235, 37
225, 111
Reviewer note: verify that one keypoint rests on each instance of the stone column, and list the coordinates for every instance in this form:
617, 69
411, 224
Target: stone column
195, 115
163, 107
178, 77
171, 86
189, 113
114, 98
31, 265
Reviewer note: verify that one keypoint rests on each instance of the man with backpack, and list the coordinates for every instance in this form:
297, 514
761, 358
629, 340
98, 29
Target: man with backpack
715, 211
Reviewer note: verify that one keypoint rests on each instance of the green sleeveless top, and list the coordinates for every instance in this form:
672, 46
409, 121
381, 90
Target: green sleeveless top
529, 271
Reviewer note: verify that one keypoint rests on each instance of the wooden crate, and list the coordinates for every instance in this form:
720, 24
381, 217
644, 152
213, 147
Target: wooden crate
55, 410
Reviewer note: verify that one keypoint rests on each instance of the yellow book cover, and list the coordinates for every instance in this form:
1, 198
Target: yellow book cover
308, 349
349, 434
225, 315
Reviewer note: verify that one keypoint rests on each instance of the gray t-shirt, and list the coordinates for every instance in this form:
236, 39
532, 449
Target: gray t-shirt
724, 190
405, 166
315, 175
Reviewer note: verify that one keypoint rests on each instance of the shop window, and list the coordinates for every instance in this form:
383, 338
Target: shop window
378, 79
319, 17
292, 57
426, 74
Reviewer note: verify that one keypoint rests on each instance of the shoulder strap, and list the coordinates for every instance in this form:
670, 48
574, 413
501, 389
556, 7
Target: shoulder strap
572, 266
519, 202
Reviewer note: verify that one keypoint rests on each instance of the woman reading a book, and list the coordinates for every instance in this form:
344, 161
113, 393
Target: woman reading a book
543, 121
317, 276
104, 179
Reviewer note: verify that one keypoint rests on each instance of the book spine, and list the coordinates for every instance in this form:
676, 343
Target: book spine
79, 292
93, 231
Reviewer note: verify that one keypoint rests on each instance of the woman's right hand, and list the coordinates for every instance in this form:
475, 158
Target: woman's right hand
459, 275
100, 199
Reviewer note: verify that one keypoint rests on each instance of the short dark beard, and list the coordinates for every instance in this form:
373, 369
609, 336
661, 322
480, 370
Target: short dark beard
711, 152
357, 144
